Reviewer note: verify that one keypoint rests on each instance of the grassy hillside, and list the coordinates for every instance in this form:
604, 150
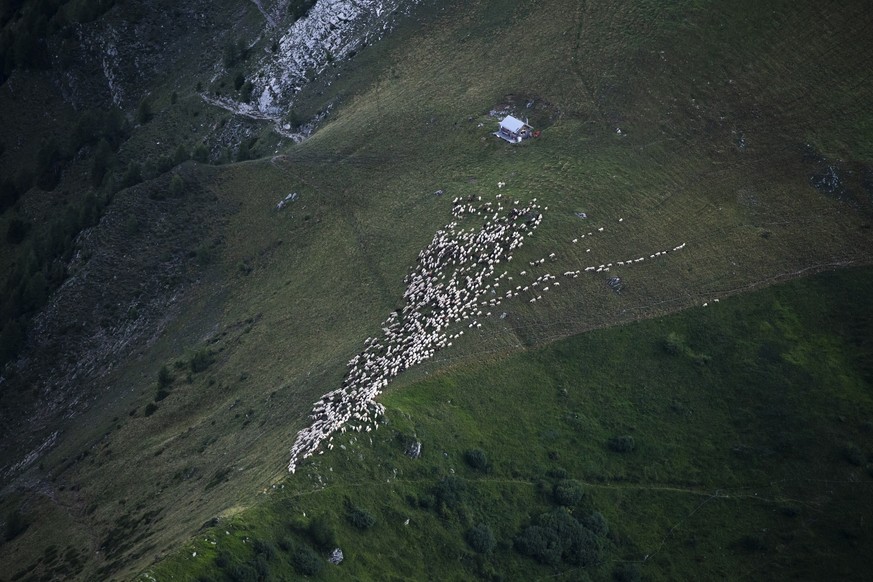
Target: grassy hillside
742, 130
750, 424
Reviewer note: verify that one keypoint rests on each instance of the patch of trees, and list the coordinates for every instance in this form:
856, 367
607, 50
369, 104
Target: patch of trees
359, 517
557, 537
27, 27
235, 52
42, 257
201, 360
40, 269
104, 131
246, 150
16, 525
144, 111
568, 492
481, 538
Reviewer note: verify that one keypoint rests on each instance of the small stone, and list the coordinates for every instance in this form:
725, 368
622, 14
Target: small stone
414, 450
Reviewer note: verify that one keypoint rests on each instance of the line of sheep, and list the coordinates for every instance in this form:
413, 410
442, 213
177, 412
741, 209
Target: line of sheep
445, 287
448, 286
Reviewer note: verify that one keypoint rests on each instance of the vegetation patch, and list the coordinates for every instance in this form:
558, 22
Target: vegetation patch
715, 465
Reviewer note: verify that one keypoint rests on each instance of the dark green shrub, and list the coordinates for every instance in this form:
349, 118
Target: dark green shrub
104, 159
243, 153
16, 231
450, 491
23, 180
300, 8
539, 543
360, 518
476, 459
557, 537
306, 561
752, 543
177, 186
557, 473
321, 532
165, 377
238, 81
626, 573
200, 154
86, 130
286, 544
243, 573
161, 394
568, 492
204, 254
481, 538
230, 56
224, 559
164, 165
246, 92
596, 523
132, 175
48, 165
261, 566
11, 340
265, 548
621, 444
9, 194
15, 525
35, 292
144, 111
201, 360
150, 409
853, 454
181, 154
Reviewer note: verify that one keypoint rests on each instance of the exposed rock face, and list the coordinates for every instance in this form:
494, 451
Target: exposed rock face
115, 60
331, 30
414, 450
336, 556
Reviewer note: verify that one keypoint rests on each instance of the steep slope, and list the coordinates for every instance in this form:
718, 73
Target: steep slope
662, 126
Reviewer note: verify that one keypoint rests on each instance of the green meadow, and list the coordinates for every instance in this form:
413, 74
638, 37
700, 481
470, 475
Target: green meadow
732, 441
591, 434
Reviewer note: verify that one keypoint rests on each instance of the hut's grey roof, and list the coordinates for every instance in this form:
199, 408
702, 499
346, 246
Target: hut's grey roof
512, 124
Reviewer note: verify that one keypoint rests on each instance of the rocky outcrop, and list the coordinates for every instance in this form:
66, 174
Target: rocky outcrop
331, 31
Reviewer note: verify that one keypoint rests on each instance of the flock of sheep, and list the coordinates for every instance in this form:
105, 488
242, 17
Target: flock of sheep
455, 281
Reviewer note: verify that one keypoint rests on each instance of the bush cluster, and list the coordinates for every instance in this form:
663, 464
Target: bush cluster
568, 492
306, 561
201, 360
360, 517
15, 525
557, 537
45, 249
321, 533
165, 377
450, 491
621, 444
481, 538
476, 459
